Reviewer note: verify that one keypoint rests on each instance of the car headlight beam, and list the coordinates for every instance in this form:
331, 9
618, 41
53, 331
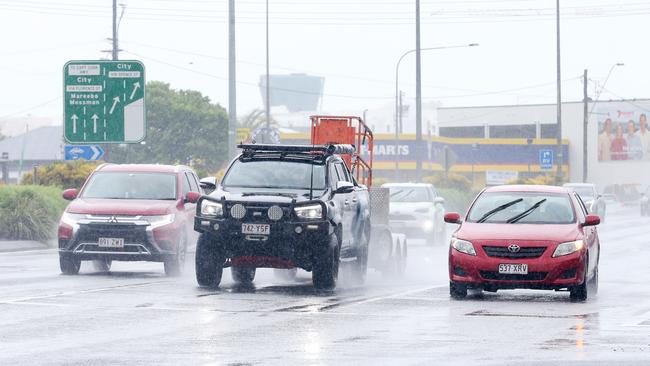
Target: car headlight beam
463, 246
568, 248
309, 212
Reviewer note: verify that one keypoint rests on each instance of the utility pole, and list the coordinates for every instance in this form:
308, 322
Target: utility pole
232, 80
418, 95
268, 84
585, 122
115, 44
559, 97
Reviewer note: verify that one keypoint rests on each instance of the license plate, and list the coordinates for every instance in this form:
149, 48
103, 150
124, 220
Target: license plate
256, 229
519, 268
111, 242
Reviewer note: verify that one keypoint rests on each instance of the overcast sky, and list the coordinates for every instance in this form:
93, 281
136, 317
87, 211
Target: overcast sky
354, 44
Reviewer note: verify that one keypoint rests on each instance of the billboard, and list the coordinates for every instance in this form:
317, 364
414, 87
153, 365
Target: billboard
297, 92
623, 134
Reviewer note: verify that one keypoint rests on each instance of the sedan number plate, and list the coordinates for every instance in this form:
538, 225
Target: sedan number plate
519, 268
256, 229
111, 243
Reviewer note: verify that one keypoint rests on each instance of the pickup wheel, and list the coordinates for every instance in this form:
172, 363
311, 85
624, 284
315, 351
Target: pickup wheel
102, 265
243, 275
209, 262
326, 265
69, 264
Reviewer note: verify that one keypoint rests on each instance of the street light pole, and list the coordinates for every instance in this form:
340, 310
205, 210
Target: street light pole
559, 96
268, 86
397, 110
232, 81
418, 95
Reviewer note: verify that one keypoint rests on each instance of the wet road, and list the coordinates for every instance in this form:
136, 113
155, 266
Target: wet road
136, 316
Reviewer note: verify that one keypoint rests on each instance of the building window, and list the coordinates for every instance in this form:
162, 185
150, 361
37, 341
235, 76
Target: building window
548, 130
470, 131
512, 131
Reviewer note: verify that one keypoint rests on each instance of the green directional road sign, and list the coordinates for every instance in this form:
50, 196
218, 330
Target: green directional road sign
104, 101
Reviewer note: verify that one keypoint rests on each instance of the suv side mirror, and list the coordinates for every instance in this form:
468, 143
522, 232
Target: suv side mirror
192, 197
70, 194
344, 187
591, 220
208, 184
438, 200
452, 218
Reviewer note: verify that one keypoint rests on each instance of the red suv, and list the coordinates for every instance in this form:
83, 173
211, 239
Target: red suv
129, 213
525, 236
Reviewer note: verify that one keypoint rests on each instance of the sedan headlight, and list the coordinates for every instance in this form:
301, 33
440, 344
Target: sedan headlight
463, 246
71, 219
210, 208
309, 212
159, 220
568, 248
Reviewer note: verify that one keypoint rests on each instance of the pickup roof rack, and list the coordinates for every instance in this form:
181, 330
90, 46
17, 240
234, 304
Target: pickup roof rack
250, 149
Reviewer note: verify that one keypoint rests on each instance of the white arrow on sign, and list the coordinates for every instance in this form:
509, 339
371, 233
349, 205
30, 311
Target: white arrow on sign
96, 152
115, 101
95, 117
136, 85
74, 119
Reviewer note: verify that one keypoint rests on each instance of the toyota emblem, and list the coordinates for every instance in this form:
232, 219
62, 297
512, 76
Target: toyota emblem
514, 248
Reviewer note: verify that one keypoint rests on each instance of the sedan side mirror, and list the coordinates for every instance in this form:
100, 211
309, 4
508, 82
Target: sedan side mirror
344, 187
452, 218
192, 197
438, 200
70, 194
208, 184
591, 220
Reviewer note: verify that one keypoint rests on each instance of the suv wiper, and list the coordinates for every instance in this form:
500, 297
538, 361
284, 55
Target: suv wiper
520, 216
497, 209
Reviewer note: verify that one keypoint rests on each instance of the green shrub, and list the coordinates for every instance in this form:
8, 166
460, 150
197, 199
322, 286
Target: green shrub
456, 200
70, 174
29, 212
452, 180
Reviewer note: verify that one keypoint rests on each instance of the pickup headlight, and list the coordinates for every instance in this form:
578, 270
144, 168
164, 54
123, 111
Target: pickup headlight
568, 248
309, 212
159, 220
71, 219
463, 246
209, 208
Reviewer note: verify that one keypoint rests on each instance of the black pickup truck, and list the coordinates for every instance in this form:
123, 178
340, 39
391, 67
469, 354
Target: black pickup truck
284, 206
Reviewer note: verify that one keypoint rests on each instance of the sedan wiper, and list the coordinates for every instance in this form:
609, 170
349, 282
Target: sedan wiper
520, 216
497, 209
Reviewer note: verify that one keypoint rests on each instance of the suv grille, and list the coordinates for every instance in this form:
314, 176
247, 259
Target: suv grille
524, 252
532, 276
133, 234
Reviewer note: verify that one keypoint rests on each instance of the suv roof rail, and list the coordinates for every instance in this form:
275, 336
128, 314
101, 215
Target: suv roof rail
325, 149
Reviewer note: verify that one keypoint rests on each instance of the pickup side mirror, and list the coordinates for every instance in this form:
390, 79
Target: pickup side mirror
591, 220
452, 218
344, 187
208, 184
70, 194
192, 197
439, 200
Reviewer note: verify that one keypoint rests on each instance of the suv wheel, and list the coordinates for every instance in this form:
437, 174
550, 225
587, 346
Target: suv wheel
209, 262
326, 265
102, 265
175, 264
243, 275
457, 290
69, 264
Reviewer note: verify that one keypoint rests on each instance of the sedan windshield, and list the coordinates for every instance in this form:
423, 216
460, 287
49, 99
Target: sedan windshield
522, 208
136, 186
275, 174
409, 194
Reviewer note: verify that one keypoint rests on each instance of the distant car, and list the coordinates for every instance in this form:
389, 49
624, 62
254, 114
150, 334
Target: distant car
594, 201
525, 236
417, 211
644, 202
130, 213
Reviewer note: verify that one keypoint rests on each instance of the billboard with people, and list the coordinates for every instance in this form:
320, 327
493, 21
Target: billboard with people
623, 134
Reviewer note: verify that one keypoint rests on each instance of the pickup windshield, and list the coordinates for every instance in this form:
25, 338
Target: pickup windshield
275, 174
135, 186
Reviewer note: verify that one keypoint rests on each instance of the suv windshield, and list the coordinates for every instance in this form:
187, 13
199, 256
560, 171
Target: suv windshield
136, 186
409, 194
522, 208
275, 174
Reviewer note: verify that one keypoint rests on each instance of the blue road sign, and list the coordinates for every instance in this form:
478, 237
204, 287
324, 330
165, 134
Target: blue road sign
546, 159
86, 152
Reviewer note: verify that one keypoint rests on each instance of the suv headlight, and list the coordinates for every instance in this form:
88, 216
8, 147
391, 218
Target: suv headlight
71, 219
568, 248
159, 220
463, 246
309, 212
210, 208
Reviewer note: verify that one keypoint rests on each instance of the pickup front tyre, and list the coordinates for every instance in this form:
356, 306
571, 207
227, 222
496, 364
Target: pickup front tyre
209, 262
326, 265
69, 264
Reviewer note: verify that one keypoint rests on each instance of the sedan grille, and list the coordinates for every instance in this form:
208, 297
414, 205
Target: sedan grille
504, 252
532, 276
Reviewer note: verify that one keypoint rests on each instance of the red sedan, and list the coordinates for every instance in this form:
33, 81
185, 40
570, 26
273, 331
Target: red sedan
525, 236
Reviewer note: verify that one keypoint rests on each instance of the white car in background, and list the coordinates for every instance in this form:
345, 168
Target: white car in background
589, 195
417, 211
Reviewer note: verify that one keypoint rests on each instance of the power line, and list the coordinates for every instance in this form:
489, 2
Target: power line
49, 101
